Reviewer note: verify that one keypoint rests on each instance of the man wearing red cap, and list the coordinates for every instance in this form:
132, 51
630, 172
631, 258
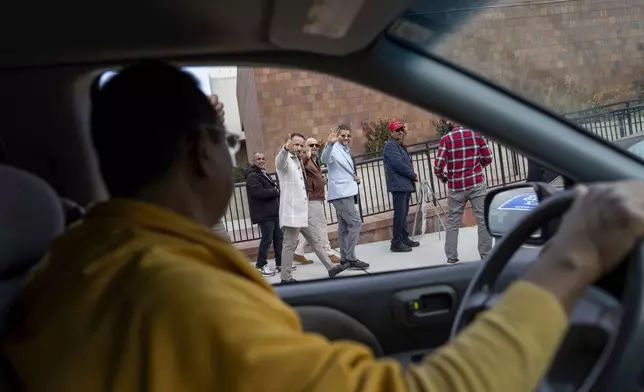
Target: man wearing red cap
400, 183
463, 154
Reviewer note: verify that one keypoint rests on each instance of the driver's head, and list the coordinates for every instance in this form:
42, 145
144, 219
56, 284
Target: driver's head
158, 139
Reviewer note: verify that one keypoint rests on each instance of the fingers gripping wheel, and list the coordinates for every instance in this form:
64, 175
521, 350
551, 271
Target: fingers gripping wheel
620, 365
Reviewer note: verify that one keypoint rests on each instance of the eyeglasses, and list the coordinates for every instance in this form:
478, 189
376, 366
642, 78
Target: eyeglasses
314, 145
400, 130
233, 142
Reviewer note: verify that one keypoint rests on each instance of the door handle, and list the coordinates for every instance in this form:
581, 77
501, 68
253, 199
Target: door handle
424, 306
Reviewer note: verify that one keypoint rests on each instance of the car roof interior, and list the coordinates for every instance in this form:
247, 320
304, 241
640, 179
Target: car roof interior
52, 58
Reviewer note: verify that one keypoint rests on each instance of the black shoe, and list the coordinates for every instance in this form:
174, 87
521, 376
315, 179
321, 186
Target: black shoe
355, 264
288, 281
400, 247
411, 243
336, 270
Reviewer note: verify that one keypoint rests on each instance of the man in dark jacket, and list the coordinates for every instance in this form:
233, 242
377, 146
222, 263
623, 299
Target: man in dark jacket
264, 205
400, 183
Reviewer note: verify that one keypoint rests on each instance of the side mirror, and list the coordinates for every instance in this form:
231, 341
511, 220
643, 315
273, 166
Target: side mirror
507, 206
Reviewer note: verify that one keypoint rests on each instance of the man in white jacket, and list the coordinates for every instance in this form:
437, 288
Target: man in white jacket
294, 214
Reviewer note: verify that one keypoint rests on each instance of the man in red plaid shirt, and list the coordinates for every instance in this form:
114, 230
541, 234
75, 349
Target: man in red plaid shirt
462, 155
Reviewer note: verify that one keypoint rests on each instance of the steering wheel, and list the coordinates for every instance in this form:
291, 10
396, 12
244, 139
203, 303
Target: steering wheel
620, 363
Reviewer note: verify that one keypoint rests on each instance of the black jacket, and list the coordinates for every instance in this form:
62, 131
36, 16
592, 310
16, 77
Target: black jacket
263, 196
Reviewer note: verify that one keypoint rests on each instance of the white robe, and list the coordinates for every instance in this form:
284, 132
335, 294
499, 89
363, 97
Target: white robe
294, 206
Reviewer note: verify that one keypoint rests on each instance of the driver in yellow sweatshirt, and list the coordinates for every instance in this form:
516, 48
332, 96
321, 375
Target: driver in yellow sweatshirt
140, 296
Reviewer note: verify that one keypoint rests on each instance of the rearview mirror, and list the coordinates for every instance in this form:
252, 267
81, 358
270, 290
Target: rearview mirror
505, 207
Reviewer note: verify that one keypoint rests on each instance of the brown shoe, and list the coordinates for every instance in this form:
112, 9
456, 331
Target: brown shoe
334, 259
302, 260
452, 261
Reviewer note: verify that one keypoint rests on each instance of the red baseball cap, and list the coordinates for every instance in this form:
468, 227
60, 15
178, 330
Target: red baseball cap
395, 125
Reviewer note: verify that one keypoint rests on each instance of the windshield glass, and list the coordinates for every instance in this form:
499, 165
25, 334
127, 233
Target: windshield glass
637, 149
580, 58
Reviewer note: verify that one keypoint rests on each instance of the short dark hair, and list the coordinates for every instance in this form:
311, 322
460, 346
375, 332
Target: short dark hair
297, 134
344, 127
139, 118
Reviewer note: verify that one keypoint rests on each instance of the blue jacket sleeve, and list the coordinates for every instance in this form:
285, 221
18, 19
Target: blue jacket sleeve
395, 158
327, 154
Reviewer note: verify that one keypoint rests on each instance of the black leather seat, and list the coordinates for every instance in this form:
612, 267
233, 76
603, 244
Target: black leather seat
31, 215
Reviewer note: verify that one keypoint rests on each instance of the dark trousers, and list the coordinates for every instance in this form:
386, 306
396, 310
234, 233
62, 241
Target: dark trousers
401, 211
271, 233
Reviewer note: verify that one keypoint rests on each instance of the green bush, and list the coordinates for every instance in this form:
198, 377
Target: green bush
238, 173
377, 133
442, 126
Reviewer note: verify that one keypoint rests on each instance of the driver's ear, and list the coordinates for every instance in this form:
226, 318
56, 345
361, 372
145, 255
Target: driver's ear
201, 154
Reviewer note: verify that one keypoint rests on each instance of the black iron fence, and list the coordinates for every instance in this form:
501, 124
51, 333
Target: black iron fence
610, 122
613, 121
508, 167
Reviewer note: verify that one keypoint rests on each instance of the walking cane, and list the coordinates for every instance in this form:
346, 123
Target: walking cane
427, 191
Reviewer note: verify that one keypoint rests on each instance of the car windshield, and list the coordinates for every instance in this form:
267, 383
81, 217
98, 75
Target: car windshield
637, 149
579, 58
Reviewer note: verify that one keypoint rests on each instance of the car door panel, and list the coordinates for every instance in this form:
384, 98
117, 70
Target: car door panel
381, 302
385, 303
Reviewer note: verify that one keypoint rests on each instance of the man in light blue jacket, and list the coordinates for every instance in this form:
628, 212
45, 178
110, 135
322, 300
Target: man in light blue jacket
343, 192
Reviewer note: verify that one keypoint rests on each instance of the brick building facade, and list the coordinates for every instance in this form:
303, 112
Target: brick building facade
566, 54
275, 102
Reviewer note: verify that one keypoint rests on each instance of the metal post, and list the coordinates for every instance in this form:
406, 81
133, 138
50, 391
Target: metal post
355, 172
630, 118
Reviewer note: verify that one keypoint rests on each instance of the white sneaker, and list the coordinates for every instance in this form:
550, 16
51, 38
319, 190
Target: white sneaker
279, 269
266, 271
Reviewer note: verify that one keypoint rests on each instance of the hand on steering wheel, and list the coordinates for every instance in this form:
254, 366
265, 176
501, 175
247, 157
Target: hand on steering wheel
603, 223
601, 227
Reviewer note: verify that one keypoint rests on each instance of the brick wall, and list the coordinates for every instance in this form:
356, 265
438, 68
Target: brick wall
567, 54
311, 103
249, 110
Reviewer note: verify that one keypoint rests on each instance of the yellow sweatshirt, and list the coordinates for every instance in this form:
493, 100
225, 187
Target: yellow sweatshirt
138, 298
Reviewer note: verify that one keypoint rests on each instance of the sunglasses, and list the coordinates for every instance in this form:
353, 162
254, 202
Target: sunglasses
400, 130
314, 145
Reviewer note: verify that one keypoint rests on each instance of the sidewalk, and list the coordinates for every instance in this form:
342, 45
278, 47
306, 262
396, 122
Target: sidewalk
429, 253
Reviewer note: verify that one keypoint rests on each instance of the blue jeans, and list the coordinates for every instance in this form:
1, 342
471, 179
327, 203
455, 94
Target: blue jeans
401, 211
271, 234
